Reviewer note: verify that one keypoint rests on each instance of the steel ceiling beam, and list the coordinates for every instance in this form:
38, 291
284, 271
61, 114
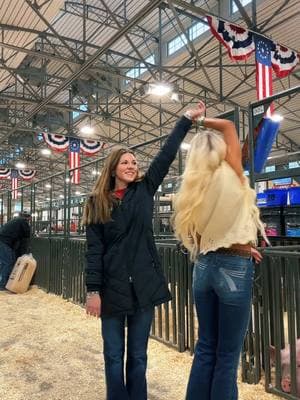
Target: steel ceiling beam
139, 16
35, 8
97, 12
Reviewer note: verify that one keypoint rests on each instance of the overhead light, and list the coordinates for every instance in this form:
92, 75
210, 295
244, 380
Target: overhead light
48, 198
77, 193
276, 117
61, 196
158, 89
47, 186
67, 180
185, 146
161, 89
87, 130
46, 152
20, 165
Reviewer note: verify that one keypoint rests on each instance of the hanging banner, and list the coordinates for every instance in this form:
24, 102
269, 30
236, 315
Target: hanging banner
27, 174
4, 173
74, 159
238, 41
56, 142
90, 147
284, 60
14, 175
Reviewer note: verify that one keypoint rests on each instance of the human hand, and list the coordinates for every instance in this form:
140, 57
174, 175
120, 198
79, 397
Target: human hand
196, 112
93, 305
256, 255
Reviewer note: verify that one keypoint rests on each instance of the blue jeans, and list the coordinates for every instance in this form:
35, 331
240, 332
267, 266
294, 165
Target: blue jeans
222, 286
113, 333
7, 261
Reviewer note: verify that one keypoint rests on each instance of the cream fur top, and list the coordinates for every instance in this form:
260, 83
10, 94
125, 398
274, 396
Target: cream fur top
229, 212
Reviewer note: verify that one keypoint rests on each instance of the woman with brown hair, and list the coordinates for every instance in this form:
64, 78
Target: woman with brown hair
124, 278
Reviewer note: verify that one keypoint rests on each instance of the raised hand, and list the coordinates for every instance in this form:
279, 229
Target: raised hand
198, 111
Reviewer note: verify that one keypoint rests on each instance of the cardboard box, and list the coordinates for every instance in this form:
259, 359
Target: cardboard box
21, 274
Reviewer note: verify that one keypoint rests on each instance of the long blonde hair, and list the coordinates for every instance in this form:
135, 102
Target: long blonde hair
99, 205
207, 151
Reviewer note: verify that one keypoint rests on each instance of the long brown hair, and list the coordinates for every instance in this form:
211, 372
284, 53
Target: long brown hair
99, 205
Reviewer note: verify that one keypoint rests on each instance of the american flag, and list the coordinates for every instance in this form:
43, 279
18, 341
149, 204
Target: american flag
263, 57
14, 174
74, 159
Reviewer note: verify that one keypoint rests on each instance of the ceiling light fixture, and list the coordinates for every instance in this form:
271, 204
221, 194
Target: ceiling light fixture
161, 89
87, 130
46, 152
20, 165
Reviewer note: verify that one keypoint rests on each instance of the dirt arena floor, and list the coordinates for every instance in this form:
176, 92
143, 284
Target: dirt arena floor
50, 349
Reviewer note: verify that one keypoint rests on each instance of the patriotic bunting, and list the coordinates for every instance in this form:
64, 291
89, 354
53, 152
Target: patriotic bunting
90, 147
74, 145
56, 142
27, 174
264, 82
238, 41
269, 56
74, 159
284, 60
14, 175
4, 173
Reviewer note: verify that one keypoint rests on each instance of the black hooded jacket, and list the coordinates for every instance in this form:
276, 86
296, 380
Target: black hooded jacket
16, 234
122, 258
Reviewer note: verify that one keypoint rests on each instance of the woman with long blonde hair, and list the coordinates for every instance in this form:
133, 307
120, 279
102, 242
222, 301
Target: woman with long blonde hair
217, 220
124, 278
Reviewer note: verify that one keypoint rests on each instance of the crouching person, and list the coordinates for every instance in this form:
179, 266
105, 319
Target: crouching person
14, 242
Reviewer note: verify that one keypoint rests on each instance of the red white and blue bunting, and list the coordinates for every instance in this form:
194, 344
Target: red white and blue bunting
4, 173
284, 60
90, 147
240, 44
27, 174
15, 175
238, 41
75, 146
56, 142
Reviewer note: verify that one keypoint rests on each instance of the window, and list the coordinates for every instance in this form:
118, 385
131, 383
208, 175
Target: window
193, 32
234, 6
197, 30
139, 69
294, 164
142, 67
270, 168
176, 44
82, 107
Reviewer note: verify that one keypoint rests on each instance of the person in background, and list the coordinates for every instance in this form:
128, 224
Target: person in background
14, 242
216, 219
124, 278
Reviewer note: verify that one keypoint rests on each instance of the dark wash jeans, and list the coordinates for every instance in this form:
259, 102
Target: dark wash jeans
113, 333
7, 260
222, 287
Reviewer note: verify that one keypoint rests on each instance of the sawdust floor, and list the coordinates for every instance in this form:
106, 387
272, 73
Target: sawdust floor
49, 349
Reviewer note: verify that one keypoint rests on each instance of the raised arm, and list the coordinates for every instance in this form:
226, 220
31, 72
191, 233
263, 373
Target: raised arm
234, 154
160, 165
